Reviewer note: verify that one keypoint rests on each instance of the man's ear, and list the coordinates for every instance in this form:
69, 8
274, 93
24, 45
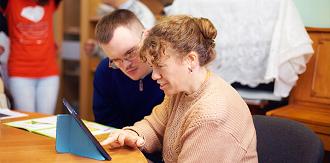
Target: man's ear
192, 59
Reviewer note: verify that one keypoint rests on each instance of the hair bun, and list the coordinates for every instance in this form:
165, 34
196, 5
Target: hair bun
210, 43
206, 27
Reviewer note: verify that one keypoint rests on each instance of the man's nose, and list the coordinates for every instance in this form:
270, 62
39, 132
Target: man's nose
126, 62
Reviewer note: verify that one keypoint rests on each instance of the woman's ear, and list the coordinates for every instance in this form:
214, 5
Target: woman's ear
192, 59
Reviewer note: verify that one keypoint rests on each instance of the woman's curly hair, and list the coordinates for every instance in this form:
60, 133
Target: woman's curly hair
182, 33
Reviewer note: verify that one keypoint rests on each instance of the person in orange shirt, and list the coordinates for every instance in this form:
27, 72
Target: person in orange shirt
32, 65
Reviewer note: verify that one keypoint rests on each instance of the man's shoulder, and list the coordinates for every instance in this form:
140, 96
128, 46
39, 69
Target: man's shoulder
103, 64
104, 69
104, 72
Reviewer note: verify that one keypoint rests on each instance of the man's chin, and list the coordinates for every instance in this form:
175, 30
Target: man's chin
134, 76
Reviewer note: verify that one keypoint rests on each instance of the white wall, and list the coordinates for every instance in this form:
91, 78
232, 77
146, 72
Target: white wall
315, 13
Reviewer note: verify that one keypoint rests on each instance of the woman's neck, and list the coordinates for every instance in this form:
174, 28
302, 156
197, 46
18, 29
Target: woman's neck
198, 77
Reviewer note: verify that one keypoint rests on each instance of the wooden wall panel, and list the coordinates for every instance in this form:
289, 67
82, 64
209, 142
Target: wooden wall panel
321, 78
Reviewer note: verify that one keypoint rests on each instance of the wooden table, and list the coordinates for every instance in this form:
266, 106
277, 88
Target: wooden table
17, 145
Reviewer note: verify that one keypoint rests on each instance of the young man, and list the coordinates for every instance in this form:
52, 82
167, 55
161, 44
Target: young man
123, 89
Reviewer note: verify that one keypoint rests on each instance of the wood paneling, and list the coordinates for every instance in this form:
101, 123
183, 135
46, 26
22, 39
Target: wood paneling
87, 10
321, 78
310, 98
312, 83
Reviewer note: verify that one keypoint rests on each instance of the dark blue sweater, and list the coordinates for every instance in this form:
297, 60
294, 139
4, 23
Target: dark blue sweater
117, 101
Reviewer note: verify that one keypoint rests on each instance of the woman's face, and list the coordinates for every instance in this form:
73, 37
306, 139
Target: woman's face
171, 73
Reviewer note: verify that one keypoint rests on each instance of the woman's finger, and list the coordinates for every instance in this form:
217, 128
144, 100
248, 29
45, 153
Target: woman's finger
121, 138
140, 142
114, 145
112, 138
131, 141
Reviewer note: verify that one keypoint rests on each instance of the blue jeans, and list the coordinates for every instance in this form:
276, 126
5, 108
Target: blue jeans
35, 94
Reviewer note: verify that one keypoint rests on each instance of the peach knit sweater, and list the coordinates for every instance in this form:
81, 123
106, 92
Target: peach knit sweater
211, 125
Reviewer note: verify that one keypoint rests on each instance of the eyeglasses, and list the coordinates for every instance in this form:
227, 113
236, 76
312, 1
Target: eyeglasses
129, 56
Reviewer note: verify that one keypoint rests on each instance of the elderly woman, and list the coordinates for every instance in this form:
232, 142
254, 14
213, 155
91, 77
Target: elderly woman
202, 118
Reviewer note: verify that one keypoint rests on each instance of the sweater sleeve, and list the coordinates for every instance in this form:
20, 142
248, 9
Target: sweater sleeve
201, 145
152, 127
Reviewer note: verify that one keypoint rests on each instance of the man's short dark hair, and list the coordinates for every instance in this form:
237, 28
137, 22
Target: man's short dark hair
108, 23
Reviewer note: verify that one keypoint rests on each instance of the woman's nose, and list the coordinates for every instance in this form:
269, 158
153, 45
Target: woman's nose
155, 75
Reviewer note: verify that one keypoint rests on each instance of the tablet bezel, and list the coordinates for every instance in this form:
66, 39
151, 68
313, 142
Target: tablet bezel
85, 129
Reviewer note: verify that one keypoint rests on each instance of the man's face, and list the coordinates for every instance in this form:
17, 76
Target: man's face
122, 50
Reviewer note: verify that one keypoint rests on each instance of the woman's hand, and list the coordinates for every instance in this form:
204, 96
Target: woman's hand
120, 137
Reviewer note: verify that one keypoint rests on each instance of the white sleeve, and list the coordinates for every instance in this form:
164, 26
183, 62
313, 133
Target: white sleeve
144, 14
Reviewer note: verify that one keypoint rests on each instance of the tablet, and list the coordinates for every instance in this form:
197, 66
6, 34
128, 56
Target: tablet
85, 129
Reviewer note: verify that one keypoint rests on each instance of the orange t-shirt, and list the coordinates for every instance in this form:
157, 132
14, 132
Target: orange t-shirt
32, 51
